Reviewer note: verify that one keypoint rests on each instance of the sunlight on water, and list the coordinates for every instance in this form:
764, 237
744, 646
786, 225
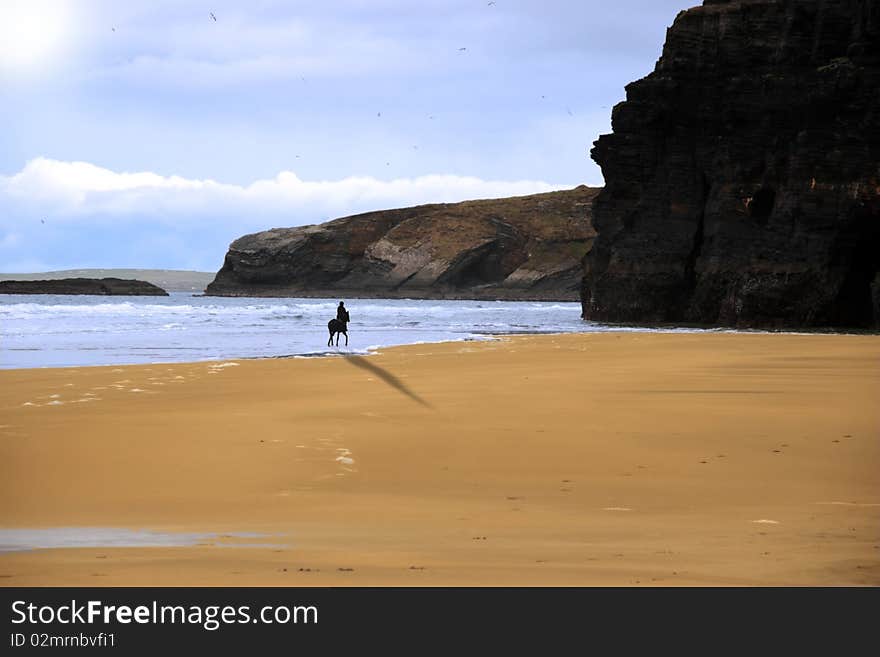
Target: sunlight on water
16, 540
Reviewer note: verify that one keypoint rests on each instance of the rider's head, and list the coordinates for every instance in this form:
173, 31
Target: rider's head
341, 303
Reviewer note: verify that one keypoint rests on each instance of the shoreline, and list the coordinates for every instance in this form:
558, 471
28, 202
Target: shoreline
563, 450
372, 350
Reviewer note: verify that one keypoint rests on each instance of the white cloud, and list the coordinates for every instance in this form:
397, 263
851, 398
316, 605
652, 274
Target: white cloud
175, 48
80, 189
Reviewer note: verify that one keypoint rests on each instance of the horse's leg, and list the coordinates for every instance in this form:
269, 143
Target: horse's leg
346, 338
330, 341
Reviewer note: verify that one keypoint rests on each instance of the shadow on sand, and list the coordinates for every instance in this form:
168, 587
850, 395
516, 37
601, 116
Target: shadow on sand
386, 376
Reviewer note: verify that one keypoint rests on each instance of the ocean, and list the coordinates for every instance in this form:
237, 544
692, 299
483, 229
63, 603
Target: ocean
64, 331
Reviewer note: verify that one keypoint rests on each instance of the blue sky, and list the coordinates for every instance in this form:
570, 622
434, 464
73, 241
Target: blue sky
147, 134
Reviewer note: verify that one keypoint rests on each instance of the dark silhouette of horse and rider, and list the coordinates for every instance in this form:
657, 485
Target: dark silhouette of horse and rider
339, 325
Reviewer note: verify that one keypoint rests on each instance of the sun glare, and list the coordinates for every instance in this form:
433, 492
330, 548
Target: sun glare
32, 33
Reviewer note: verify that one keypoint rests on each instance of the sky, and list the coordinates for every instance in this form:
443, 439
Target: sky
152, 133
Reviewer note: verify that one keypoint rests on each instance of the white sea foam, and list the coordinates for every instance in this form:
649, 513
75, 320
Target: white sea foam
57, 331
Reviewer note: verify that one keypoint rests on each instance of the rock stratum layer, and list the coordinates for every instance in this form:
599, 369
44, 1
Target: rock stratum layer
742, 175
98, 286
528, 247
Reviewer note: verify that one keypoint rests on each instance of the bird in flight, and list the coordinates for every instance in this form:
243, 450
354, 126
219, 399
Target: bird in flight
461, 49
42, 221
213, 16
491, 4
379, 114
569, 112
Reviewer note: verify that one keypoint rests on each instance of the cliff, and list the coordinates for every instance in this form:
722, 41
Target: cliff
742, 175
528, 247
99, 286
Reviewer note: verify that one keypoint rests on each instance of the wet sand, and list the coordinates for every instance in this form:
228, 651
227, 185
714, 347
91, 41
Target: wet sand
600, 459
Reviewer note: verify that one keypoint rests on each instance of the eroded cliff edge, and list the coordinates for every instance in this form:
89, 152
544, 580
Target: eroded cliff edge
528, 247
742, 175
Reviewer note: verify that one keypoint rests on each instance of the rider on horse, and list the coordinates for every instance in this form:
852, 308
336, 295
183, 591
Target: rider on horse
342, 313
339, 325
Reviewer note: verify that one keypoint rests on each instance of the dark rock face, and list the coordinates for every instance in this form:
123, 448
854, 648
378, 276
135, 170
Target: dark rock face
100, 286
528, 247
742, 175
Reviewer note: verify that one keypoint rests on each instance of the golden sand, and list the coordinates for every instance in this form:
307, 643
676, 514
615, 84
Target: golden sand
598, 459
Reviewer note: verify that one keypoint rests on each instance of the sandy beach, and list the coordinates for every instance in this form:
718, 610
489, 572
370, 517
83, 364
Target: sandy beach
629, 459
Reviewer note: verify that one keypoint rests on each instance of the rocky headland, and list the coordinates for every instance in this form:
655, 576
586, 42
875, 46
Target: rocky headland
528, 247
97, 286
743, 174
170, 280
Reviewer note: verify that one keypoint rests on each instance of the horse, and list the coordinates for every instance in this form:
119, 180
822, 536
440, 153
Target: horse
336, 327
